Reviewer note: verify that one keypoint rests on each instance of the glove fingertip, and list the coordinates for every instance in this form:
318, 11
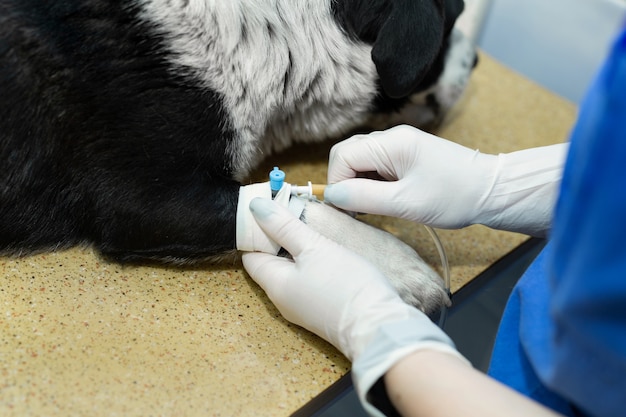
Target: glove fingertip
360, 195
262, 208
337, 194
279, 224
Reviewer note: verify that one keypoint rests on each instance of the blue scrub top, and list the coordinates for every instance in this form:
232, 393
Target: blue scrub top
562, 339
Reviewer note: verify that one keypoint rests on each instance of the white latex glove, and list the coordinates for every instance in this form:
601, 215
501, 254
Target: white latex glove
339, 296
443, 184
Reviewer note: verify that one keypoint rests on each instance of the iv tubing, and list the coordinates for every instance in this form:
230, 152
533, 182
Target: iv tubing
446, 270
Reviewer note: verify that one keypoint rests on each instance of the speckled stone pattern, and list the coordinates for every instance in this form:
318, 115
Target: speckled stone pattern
83, 337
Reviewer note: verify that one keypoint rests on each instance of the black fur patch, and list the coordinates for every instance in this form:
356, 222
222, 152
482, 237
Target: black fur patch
90, 145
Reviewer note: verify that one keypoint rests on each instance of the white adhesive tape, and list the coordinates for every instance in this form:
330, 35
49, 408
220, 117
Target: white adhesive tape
250, 237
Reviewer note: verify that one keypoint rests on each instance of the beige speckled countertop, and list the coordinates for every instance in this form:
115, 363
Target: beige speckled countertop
83, 337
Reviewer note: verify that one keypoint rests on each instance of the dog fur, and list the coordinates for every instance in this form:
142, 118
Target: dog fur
130, 125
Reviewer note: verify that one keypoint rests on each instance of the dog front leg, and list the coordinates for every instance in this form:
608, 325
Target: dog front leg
416, 282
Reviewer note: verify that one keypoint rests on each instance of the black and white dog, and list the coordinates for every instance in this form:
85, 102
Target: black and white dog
129, 125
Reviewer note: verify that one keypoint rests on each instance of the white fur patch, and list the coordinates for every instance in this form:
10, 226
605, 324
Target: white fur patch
273, 61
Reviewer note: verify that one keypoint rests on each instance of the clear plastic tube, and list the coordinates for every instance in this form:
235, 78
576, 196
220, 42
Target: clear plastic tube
445, 271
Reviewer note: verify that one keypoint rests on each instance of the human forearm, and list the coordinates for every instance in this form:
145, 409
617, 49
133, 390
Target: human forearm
437, 384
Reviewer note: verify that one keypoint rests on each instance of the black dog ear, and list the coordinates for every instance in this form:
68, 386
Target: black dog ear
453, 9
407, 44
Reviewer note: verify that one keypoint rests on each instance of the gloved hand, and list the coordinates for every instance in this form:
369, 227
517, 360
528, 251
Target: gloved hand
443, 184
339, 296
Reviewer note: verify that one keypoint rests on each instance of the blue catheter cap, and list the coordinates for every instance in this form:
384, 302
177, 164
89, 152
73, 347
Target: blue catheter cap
277, 178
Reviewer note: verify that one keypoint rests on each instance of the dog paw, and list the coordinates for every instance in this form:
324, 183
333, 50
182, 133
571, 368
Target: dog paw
416, 282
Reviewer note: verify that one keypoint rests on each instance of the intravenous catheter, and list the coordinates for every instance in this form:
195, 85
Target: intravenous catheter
310, 191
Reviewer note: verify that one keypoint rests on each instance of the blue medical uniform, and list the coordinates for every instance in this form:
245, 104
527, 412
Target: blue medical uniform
562, 339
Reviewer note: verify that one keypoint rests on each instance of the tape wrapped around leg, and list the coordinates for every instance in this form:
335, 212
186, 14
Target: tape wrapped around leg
250, 237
